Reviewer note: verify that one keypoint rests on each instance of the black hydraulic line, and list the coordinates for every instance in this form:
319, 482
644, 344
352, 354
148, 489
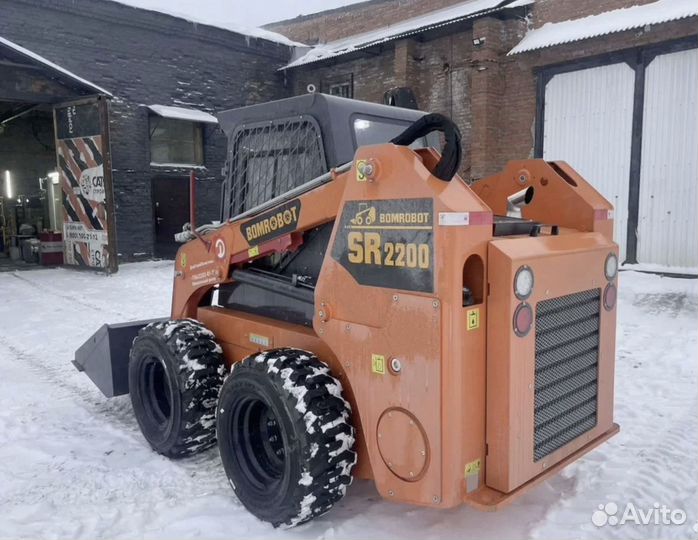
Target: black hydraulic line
451, 155
277, 284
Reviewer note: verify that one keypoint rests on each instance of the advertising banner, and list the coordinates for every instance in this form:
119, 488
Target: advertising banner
85, 176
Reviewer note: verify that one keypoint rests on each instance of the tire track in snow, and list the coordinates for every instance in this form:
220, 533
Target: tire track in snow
164, 483
70, 298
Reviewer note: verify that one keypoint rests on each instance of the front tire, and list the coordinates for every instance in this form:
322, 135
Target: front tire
285, 436
175, 372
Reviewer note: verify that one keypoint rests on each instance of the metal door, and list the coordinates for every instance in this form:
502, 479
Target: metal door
667, 222
588, 123
170, 211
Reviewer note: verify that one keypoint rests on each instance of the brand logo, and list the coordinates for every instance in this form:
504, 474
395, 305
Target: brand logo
92, 184
365, 216
220, 248
272, 224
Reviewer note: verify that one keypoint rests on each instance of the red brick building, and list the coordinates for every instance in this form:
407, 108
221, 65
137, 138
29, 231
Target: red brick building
607, 85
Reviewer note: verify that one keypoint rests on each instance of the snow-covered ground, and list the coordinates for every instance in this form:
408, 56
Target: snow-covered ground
73, 464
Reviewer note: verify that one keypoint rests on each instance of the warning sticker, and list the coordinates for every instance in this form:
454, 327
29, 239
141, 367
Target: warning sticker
473, 316
378, 364
473, 467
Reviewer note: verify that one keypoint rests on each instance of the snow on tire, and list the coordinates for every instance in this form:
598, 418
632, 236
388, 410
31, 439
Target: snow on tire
285, 436
176, 370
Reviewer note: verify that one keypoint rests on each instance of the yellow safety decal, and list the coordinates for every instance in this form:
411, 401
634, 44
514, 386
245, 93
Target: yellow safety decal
378, 364
360, 176
473, 319
473, 467
260, 340
183, 260
253, 251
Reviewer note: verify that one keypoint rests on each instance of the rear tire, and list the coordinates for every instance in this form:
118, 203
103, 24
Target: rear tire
175, 372
285, 436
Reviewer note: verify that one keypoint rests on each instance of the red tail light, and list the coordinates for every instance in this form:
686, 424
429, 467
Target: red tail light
610, 295
523, 319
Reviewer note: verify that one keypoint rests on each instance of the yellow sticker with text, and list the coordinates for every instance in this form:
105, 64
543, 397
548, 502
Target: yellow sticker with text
473, 316
253, 251
360, 176
473, 467
378, 364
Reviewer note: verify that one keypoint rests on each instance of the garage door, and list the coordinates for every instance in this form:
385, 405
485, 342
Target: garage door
667, 221
588, 123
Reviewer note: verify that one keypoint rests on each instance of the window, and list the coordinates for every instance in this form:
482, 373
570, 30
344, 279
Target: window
175, 142
271, 158
375, 130
342, 87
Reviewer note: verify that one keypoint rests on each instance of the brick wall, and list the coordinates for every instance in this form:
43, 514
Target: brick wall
354, 19
146, 58
438, 70
490, 95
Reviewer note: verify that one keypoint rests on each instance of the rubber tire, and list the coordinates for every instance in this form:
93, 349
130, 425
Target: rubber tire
193, 375
317, 435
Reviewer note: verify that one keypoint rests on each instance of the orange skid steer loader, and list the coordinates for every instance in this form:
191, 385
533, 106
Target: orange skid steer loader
361, 311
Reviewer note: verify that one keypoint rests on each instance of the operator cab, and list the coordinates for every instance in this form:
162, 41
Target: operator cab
278, 146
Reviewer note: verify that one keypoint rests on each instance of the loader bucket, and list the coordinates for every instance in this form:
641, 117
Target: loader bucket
104, 356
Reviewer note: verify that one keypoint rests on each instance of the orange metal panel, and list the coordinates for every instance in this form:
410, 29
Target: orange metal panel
463, 377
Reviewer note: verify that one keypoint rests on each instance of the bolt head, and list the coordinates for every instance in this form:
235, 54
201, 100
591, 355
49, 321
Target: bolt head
435, 303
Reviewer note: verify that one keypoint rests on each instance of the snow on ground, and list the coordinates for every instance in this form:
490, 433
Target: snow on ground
73, 464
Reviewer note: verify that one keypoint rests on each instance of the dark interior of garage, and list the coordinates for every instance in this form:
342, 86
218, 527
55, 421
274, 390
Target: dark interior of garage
31, 199
31, 213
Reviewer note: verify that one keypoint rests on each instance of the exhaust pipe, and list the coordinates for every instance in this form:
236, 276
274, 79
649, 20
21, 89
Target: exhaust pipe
518, 200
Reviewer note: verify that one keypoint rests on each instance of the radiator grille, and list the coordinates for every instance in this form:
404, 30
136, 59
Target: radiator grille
566, 381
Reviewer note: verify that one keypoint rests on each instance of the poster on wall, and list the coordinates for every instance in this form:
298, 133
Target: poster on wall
82, 152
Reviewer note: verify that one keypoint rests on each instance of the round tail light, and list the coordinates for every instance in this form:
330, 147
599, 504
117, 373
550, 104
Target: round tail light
523, 283
523, 319
610, 295
611, 266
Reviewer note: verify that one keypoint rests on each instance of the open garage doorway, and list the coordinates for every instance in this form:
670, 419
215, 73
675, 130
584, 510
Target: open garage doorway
56, 203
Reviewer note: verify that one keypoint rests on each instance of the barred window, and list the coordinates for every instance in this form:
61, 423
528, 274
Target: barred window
340, 86
271, 158
341, 89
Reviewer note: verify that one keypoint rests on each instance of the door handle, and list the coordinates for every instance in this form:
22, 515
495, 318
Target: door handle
159, 220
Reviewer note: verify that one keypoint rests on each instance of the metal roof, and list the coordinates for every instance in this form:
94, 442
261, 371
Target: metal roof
180, 113
617, 20
415, 25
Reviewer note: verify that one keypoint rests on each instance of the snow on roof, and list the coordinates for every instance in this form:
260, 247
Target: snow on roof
434, 19
202, 17
180, 113
609, 22
55, 67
